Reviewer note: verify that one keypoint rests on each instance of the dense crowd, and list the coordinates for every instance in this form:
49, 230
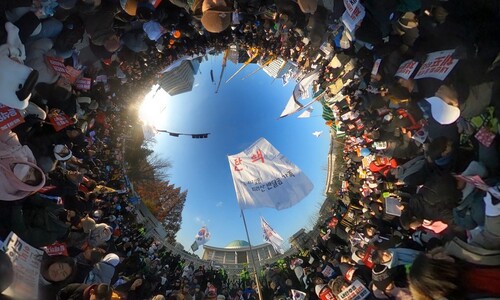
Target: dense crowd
416, 215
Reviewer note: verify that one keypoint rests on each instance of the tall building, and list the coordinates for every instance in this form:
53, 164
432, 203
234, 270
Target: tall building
178, 80
278, 67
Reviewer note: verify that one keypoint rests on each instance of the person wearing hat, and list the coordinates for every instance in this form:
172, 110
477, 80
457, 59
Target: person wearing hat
216, 15
384, 285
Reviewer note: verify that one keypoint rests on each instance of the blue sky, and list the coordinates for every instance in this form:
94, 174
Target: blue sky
242, 112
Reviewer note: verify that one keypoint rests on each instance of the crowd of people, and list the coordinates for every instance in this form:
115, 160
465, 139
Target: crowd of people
416, 215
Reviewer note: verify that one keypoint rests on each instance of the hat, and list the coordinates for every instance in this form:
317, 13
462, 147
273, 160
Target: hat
406, 22
62, 153
381, 277
216, 19
308, 6
441, 112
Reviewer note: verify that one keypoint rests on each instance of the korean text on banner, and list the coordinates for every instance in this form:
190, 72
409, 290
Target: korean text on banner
263, 177
437, 65
406, 69
352, 20
350, 6
59, 120
26, 261
9, 118
356, 291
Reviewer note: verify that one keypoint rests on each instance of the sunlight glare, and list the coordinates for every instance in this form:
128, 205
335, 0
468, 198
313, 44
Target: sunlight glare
153, 105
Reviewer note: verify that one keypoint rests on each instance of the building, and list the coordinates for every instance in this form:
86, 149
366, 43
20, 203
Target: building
178, 80
278, 67
237, 255
301, 240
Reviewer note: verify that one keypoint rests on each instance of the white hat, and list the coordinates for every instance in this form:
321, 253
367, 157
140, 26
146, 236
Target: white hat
441, 112
60, 155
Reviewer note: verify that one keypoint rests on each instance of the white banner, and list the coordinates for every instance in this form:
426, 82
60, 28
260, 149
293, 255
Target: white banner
26, 261
350, 5
406, 69
271, 236
437, 65
203, 236
263, 177
306, 113
356, 291
352, 20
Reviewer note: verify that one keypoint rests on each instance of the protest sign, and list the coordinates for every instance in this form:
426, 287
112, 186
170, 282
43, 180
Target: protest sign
437, 65
350, 6
391, 206
356, 291
59, 121
375, 67
406, 69
352, 20
26, 261
83, 83
9, 118
56, 249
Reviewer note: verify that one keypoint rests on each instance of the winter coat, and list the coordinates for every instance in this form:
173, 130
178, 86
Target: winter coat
104, 270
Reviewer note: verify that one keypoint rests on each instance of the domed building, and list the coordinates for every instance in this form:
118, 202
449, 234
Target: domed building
236, 255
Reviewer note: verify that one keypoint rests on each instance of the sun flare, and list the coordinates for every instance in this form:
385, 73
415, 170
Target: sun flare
153, 105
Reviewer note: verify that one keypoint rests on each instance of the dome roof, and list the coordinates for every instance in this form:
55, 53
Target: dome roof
237, 244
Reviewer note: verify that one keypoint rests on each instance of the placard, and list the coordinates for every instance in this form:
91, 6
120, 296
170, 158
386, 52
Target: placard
350, 6
56, 249
376, 65
9, 118
83, 84
406, 69
59, 121
391, 206
356, 291
351, 20
26, 261
437, 65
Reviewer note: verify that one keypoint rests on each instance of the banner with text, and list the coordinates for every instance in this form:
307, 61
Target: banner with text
437, 65
263, 177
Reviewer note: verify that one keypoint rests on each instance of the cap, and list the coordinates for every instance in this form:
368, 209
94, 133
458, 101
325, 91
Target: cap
381, 277
441, 112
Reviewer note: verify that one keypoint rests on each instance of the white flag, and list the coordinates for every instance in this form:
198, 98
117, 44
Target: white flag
271, 236
298, 295
203, 236
306, 113
263, 177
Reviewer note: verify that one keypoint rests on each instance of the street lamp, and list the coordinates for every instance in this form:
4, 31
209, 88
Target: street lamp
193, 135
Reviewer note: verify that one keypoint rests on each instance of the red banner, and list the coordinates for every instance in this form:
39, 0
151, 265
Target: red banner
59, 121
9, 118
56, 249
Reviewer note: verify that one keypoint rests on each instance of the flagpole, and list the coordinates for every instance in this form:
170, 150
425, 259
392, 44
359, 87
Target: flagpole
251, 255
